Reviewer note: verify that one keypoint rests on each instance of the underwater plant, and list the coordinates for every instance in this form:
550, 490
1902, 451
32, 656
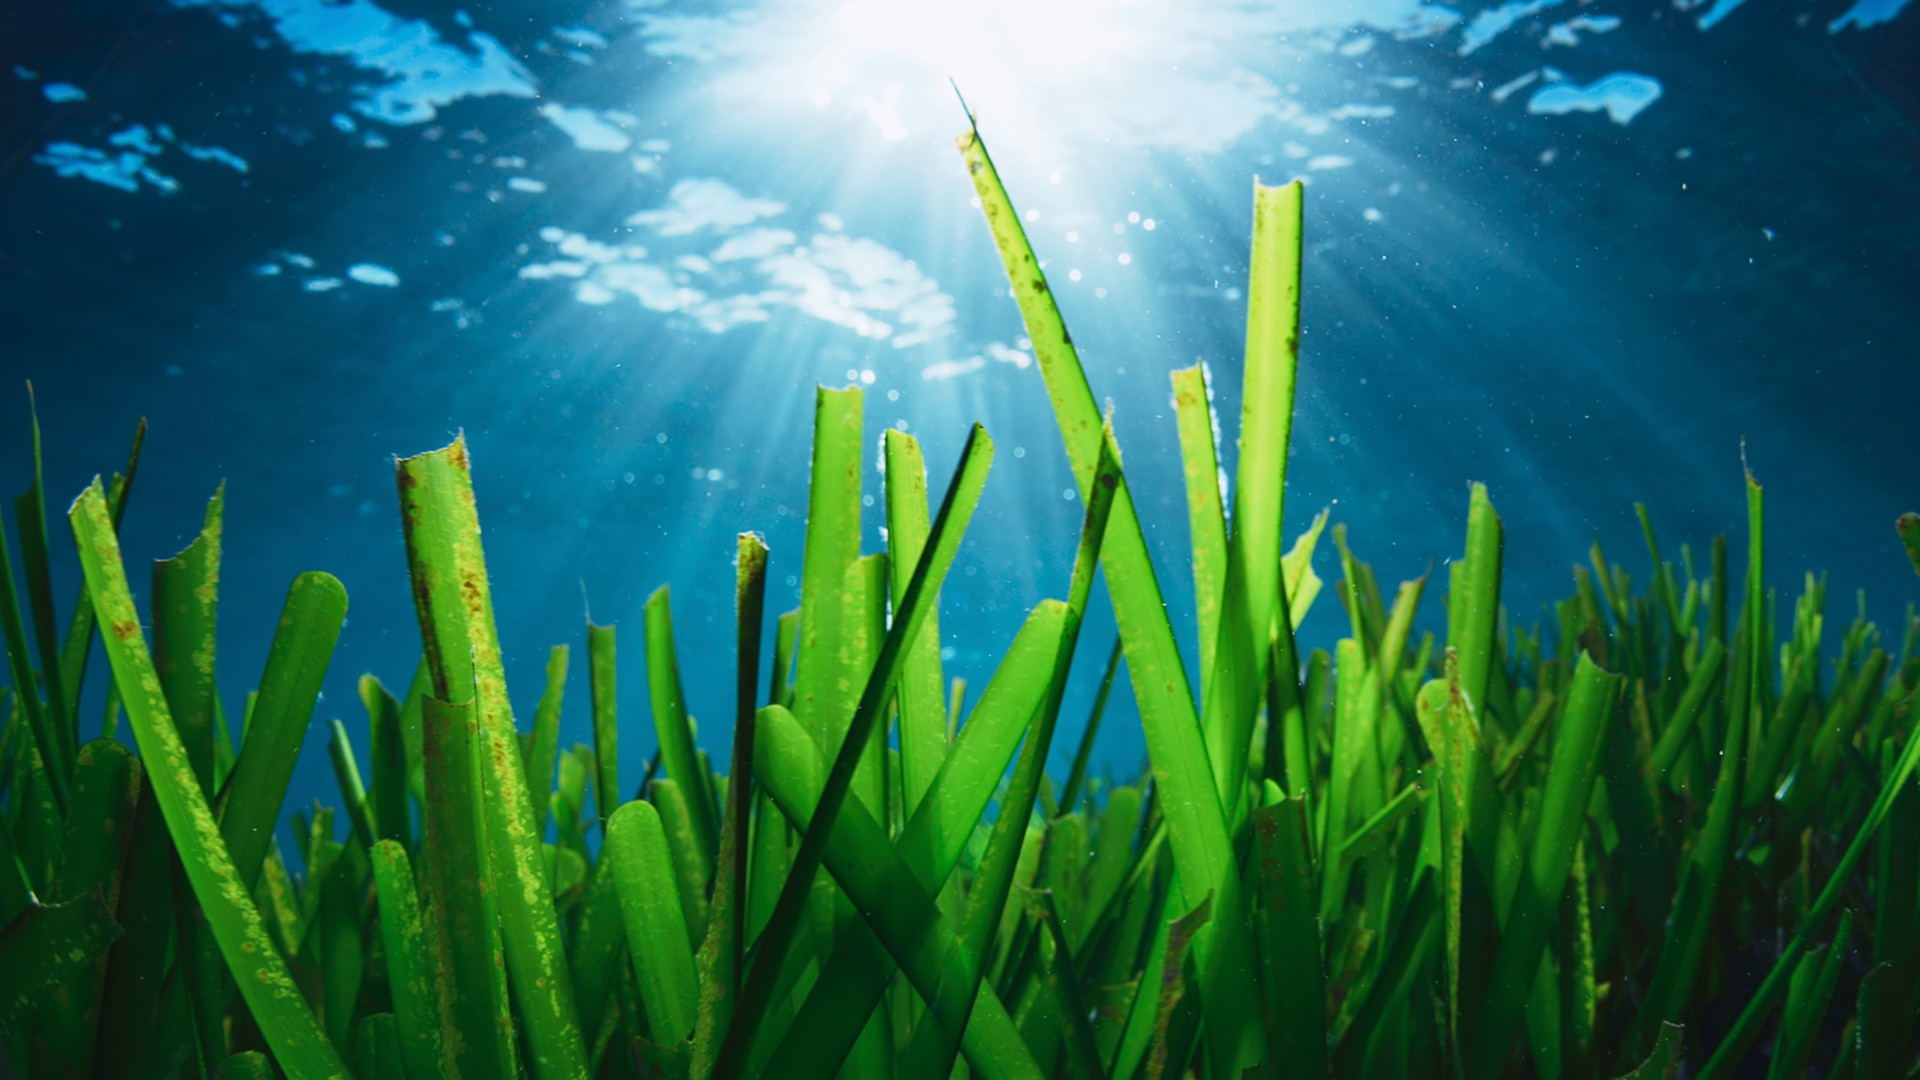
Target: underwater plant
1653, 832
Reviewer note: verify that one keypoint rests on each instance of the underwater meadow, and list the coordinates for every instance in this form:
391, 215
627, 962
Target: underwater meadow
1653, 828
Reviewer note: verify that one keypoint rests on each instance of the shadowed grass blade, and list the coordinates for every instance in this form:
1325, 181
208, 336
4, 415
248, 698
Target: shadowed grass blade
1908, 526
30, 514
106, 792
1077, 774
1747, 1026
1665, 1062
297, 661
136, 966
1289, 937
1591, 704
1808, 996
285, 1021
1700, 687
1697, 894
601, 688
545, 744
460, 920
46, 948
720, 953
26, 684
391, 817
1198, 832
410, 973
455, 605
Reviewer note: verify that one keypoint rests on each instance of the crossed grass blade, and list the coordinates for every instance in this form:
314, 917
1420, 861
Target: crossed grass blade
956, 509
300, 1047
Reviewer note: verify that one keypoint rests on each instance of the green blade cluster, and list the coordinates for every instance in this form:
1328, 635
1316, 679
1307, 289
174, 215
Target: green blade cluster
1654, 829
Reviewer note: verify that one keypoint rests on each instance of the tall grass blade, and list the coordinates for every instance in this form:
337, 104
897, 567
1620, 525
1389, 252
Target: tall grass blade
80, 627
922, 695
822, 694
1206, 510
1474, 613
184, 608
720, 953
1198, 825
451, 591
1254, 581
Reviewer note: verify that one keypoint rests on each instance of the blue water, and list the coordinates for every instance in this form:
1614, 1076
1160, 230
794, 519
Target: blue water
1576, 251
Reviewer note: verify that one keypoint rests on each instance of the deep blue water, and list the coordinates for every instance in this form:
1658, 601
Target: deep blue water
1575, 250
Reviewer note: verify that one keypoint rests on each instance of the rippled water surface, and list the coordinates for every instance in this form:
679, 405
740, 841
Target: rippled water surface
1576, 250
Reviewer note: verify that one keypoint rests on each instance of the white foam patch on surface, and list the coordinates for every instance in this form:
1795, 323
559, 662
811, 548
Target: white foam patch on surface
588, 128
580, 37
854, 283
126, 170
424, 72
1622, 95
1127, 72
1494, 21
1568, 33
952, 369
1720, 10
218, 154
373, 274
699, 204
1512, 86
1866, 14
60, 93
137, 138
